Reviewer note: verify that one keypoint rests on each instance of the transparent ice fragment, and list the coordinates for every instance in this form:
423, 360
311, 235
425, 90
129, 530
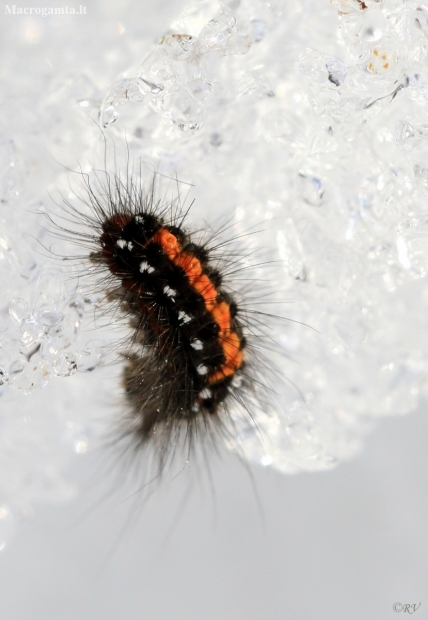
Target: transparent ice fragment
108, 115
186, 112
323, 139
403, 131
199, 89
238, 44
217, 31
196, 14
381, 101
351, 28
88, 359
47, 291
178, 46
127, 90
32, 331
29, 375
322, 68
134, 93
412, 137
184, 63
119, 94
155, 73
19, 310
162, 105
49, 318
64, 365
312, 189
337, 71
149, 87
63, 333
43, 303
347, 6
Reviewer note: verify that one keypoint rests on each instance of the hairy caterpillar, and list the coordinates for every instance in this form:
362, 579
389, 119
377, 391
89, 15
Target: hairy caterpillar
193, 352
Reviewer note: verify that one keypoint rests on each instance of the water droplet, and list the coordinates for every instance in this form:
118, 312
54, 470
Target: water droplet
108, 116
88, 359
337, 71
312, 189
375, 25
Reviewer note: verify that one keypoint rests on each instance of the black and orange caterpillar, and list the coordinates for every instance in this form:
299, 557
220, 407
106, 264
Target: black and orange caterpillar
193, 347
190, 353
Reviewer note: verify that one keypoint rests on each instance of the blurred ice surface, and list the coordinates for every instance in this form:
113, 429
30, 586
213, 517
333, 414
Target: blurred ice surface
302, 120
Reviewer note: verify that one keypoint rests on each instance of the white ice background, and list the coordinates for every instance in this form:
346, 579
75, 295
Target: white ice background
303, 121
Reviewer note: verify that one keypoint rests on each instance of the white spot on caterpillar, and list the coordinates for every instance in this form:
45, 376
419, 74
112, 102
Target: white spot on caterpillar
139, 219
144, 266
201, 369
183, 317
169, 291
206, 393
121, 243
237, 381
130, 245
197, 345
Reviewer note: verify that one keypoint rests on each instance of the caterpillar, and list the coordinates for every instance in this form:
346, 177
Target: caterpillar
191, 354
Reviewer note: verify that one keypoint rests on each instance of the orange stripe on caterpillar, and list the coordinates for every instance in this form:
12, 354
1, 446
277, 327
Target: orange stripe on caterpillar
190, 265
226, 371
168, 242
221, 315
220, 311
230, 343
206, 288
234, 356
